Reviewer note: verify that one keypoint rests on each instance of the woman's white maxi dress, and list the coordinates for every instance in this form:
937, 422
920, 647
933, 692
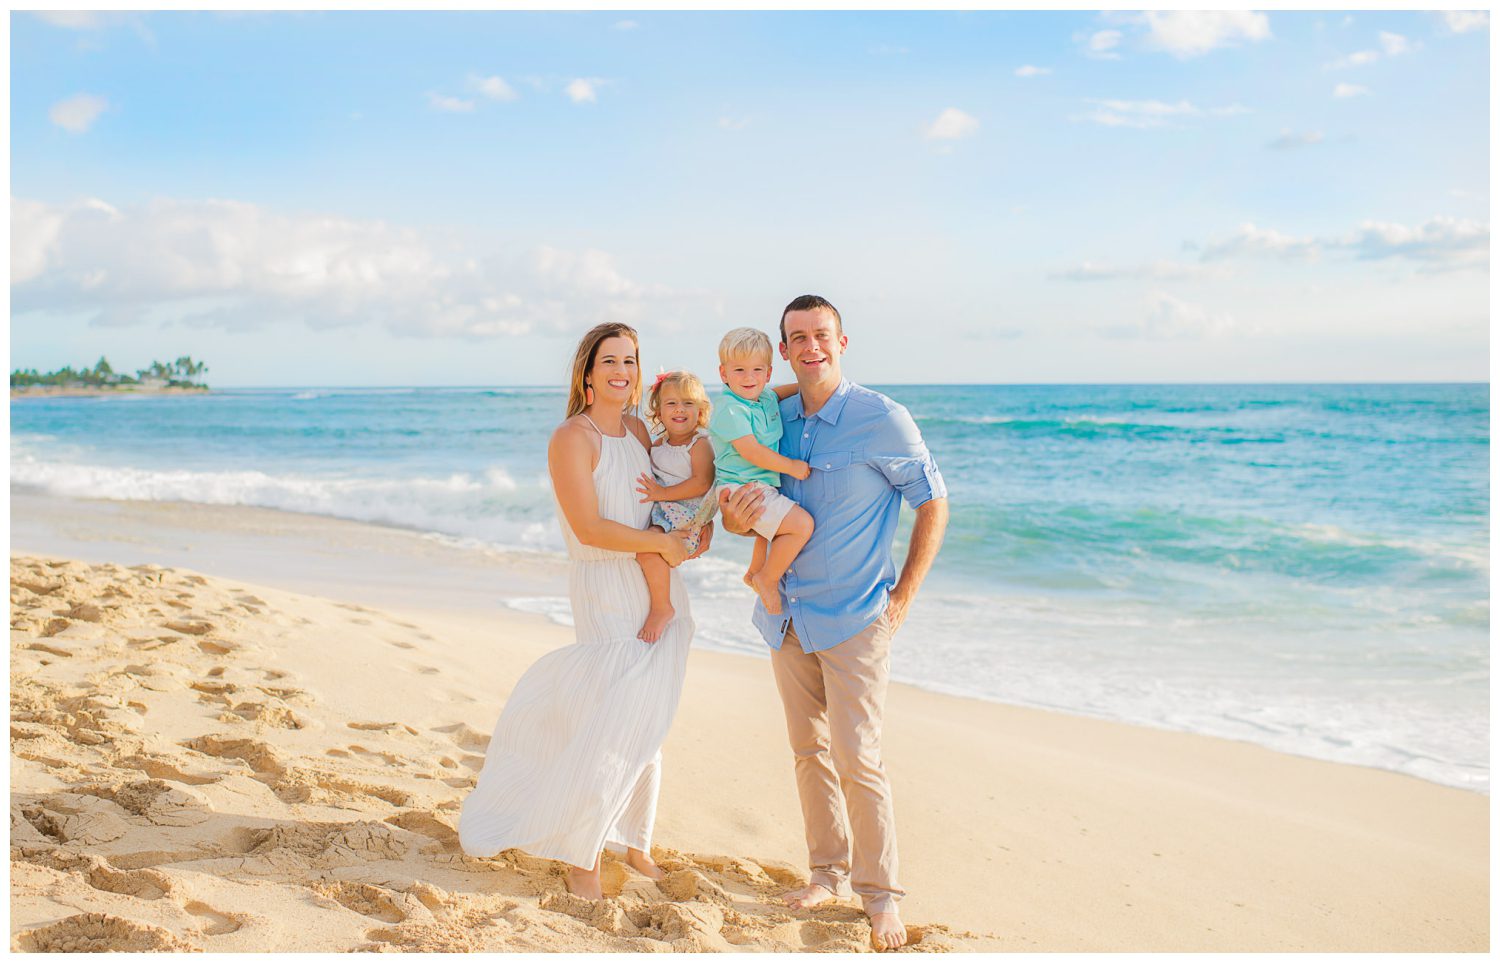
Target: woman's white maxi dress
574, 762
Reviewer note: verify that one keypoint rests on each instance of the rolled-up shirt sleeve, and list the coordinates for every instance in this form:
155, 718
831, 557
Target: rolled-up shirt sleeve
899, 454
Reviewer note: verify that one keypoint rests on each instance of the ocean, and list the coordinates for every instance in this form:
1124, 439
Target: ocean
1305, 567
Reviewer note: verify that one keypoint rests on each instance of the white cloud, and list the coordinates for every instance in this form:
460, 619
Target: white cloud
583, 90
951, 124
1101, 44
1192, 33
1250, 240
1146, 114
1170, 318
233, 264
1345, 91
495, 88
729, 124
626, 25
1155, 270
1290, 140
450, 105
1394, 44
72, 19
1359, 58
1443, 242
1455, 242
78, 113
1029, 71
1462, 21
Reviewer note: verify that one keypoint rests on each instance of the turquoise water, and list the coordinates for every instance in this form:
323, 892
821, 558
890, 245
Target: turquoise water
1305, 567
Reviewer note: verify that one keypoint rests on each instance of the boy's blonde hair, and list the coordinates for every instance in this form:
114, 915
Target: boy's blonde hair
691, 388
744, 342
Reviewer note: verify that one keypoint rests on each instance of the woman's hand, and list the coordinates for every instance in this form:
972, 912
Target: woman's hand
703, 540
674, 548
652, 491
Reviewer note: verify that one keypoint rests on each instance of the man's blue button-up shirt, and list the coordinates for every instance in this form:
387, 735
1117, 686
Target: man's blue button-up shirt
866, 455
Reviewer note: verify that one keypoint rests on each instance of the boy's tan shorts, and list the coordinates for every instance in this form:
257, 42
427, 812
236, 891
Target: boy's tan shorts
776, 504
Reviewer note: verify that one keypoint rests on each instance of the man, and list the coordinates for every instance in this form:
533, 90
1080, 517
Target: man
842, 603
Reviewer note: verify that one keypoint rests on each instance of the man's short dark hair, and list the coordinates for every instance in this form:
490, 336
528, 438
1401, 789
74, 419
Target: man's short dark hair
809, 302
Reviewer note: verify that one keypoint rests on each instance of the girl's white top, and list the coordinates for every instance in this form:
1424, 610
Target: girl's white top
673, 464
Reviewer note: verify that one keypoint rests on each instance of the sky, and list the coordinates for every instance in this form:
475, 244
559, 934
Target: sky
405, 198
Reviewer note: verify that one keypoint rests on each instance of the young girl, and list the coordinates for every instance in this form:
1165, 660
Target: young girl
684, 469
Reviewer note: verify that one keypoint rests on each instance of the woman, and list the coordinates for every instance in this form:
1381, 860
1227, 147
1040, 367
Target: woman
574, 763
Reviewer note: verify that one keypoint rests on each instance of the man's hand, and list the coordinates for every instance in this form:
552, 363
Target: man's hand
743, 508
703, 540
897, 609
926, 538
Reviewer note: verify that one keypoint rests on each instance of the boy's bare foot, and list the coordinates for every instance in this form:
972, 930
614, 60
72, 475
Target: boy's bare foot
585, 882
770, 596
642, 863
750, 577
887, 931
808, 896
656, 623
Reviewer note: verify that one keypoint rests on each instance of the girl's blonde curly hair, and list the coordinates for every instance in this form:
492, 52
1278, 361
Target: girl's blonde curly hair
690, 387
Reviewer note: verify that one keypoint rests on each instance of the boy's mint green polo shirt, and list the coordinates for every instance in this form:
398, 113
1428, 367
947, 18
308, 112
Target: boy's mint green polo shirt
734, 417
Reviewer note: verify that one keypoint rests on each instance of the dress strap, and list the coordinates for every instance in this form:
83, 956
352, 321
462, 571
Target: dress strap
591, 423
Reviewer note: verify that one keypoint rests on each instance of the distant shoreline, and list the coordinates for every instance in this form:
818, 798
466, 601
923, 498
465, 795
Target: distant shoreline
84, 391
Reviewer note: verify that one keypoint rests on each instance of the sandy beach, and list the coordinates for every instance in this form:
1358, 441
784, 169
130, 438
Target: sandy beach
238, 729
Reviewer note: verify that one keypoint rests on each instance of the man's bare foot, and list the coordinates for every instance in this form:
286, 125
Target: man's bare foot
585, 882
887, 932
808, 896
656, 623
642, 863
770, 596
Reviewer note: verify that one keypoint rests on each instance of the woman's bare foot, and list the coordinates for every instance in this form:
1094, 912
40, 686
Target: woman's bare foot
642, 863
808, 896
656, 623
770, 596
585, 882
887, 932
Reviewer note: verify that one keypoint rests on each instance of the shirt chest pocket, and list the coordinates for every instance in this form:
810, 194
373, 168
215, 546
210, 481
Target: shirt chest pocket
834, 471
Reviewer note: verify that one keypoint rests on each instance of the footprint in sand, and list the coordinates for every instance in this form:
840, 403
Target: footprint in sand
214, 923
391, 727
100, 932
189, 626
465, 736
367, 900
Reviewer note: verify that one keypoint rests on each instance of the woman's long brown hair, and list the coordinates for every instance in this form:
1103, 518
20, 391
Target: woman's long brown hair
583, 362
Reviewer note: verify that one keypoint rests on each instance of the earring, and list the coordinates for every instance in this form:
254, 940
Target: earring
588, 394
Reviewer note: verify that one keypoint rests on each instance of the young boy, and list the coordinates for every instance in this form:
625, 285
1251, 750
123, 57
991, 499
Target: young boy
745, 430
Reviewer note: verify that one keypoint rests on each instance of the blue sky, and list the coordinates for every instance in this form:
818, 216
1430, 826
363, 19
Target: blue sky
414, 198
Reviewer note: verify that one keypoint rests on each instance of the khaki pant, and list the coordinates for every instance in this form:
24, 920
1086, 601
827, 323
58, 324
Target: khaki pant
834, 702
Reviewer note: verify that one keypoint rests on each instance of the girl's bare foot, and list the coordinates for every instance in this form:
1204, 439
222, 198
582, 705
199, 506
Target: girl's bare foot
656, 623
887, 931
770, 596
808, 896
643, 863
585, 882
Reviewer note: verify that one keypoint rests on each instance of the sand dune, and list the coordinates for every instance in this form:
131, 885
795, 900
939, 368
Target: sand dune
198, 764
